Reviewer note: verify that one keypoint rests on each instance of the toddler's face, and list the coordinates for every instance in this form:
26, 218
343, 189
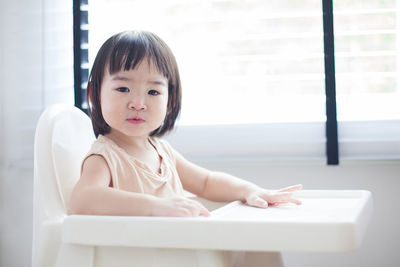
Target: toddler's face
134, 102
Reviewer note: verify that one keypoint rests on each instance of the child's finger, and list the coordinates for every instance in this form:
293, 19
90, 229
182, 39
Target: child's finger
291, 188
288, 197
283, 197
201, 209
277, 196
278, 203
205, 212
257, 202
295, 201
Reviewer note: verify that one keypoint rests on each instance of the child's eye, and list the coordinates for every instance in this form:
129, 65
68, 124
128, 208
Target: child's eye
153, 92
123, 89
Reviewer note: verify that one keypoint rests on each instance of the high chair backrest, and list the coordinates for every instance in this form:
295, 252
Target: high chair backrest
63, 136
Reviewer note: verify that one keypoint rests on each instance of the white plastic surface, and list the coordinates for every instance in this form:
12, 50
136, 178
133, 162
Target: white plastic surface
327, 221
63, 136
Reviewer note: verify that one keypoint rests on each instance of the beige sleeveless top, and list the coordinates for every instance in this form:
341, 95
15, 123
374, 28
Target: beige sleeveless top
130, 174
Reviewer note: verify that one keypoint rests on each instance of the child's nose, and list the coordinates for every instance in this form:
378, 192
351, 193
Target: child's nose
137, 103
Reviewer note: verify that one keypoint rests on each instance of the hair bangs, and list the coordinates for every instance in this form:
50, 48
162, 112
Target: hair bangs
130, 50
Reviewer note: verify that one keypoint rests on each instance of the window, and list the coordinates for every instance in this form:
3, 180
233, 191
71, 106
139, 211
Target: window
269, 64
367, 42
367, 53
259, 81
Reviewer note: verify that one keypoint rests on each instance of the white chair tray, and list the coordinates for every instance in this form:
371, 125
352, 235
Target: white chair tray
328, 220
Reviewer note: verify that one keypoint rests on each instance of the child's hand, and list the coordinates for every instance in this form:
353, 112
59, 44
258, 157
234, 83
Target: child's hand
179, 207
262, 198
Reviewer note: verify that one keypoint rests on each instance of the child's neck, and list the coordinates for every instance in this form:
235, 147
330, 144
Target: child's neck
138, 147
130, 143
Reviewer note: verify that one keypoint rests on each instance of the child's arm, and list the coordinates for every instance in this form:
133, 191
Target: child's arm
218, 186
93, 195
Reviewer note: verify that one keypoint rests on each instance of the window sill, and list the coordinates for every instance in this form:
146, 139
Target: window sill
361, 140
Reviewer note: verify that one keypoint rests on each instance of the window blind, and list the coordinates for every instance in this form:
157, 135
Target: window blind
81, 53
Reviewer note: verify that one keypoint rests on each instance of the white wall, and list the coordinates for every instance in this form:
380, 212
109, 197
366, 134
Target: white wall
35, 37
36, 70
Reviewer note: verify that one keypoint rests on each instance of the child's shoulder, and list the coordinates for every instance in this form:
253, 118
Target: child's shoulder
102, 144
101, 141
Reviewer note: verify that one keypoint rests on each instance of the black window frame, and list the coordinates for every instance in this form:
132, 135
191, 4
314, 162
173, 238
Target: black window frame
332, 144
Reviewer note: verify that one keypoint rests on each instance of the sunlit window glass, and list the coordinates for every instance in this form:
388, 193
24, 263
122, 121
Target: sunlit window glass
247, 61
367, 46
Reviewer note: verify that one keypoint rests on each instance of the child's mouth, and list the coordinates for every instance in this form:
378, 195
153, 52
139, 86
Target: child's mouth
136, 120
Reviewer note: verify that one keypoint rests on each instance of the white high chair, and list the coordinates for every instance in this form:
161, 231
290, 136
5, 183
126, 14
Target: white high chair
63, 137
327, 221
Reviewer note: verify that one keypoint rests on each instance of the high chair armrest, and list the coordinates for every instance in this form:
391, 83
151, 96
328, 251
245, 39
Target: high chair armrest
326, 221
